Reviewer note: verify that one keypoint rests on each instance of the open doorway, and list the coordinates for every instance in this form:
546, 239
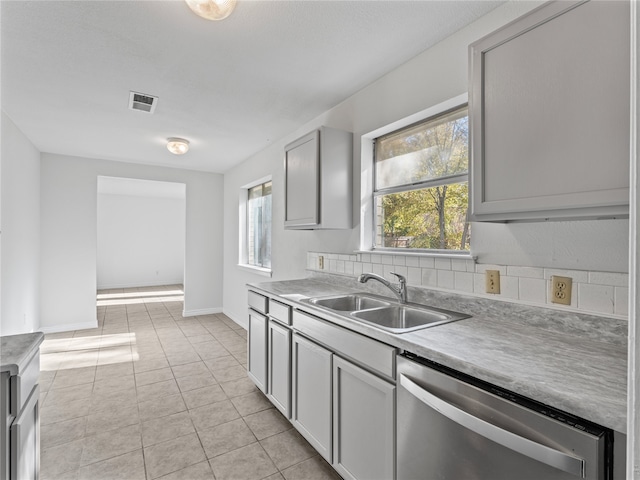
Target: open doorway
141, 228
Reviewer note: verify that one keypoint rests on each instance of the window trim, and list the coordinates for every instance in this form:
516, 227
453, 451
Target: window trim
367, 197
243, 241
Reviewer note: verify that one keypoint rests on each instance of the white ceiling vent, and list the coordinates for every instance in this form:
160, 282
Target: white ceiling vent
142, 102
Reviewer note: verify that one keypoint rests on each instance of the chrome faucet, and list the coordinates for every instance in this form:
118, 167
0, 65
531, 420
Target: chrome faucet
400, 290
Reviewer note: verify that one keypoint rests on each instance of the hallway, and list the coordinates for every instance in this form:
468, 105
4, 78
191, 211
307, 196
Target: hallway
150, 394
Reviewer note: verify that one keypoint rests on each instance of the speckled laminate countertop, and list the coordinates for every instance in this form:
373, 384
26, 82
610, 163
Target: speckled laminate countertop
573, 362
17, 350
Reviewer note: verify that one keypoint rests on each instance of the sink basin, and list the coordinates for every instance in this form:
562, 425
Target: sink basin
384, 313
349, 303
403, 318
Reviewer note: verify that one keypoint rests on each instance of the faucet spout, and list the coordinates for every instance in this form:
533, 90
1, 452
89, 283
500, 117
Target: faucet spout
400, 291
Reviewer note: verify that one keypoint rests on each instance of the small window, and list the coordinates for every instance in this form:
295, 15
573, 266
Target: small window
421, 189
259, 225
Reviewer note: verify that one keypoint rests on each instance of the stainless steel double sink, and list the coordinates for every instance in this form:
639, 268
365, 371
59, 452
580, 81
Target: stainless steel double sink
385, 313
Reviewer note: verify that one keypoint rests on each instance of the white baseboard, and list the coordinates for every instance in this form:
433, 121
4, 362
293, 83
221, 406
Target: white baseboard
242, 321
202, 311
158, 283
69, 328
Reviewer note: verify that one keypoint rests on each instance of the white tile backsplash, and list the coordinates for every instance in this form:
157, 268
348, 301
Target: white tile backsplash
509, 287
533, 290
604, 293
387, 260
607, 278
528, 272
399, 260
482, 268
463, 281
621, 301
412, 261
429, 277
578, 276
427, 262
414, 276
458, 264
596, 298
445, 279
479, 283
443, 264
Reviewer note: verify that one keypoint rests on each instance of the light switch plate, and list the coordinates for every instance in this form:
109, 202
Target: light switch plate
492, 281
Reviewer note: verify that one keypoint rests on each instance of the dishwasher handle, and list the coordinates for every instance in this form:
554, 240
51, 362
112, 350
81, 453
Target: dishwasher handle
512, 441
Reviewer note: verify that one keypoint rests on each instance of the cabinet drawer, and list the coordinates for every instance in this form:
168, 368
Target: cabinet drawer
257, 349
280, 311
258, 302
366, 351
24, 455
5, 396
22, 385
279, 367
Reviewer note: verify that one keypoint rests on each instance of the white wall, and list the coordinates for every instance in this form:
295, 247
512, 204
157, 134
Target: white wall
20, 245
69, 231
434, 76
140, 240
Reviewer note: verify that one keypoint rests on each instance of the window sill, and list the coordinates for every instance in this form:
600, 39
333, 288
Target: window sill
265, 272
414, 253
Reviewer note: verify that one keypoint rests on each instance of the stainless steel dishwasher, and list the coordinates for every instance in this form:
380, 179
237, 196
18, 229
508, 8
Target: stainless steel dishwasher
454, 427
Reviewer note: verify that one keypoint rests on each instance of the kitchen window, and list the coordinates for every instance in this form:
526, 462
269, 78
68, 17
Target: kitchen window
255, 226
421, 185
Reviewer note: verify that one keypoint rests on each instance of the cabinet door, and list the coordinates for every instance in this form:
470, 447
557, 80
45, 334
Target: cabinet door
363, 418
279, 373
311, 413
257, 350
6, 419
301, 171
25, 440
549, 114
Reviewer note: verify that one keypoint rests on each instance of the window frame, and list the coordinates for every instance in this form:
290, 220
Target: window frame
368, 182
243, 247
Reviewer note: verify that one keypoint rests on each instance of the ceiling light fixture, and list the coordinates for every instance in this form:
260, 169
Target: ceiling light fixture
177, 146
212, 9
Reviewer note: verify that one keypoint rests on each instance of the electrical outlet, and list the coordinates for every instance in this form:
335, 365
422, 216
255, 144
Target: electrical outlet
321, 262
561, 290
492, 281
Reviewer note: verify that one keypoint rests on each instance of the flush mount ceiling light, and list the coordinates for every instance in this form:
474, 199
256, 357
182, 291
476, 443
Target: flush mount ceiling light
212, 9
177, 146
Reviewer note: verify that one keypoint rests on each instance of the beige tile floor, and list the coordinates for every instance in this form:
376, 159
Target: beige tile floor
152, 395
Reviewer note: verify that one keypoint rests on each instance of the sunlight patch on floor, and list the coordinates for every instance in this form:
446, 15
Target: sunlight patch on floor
87, 351
133, 298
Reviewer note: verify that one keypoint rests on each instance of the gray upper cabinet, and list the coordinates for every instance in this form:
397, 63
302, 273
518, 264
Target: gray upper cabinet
318, 180
549, 114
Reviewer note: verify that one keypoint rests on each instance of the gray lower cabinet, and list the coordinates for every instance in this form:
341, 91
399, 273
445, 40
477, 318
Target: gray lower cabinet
257, 349
335, 386
19, 409
312, 396
279, 367
25, 440
7, 419
363, 423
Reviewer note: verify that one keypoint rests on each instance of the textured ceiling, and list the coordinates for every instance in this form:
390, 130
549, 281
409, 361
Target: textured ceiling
230, 87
